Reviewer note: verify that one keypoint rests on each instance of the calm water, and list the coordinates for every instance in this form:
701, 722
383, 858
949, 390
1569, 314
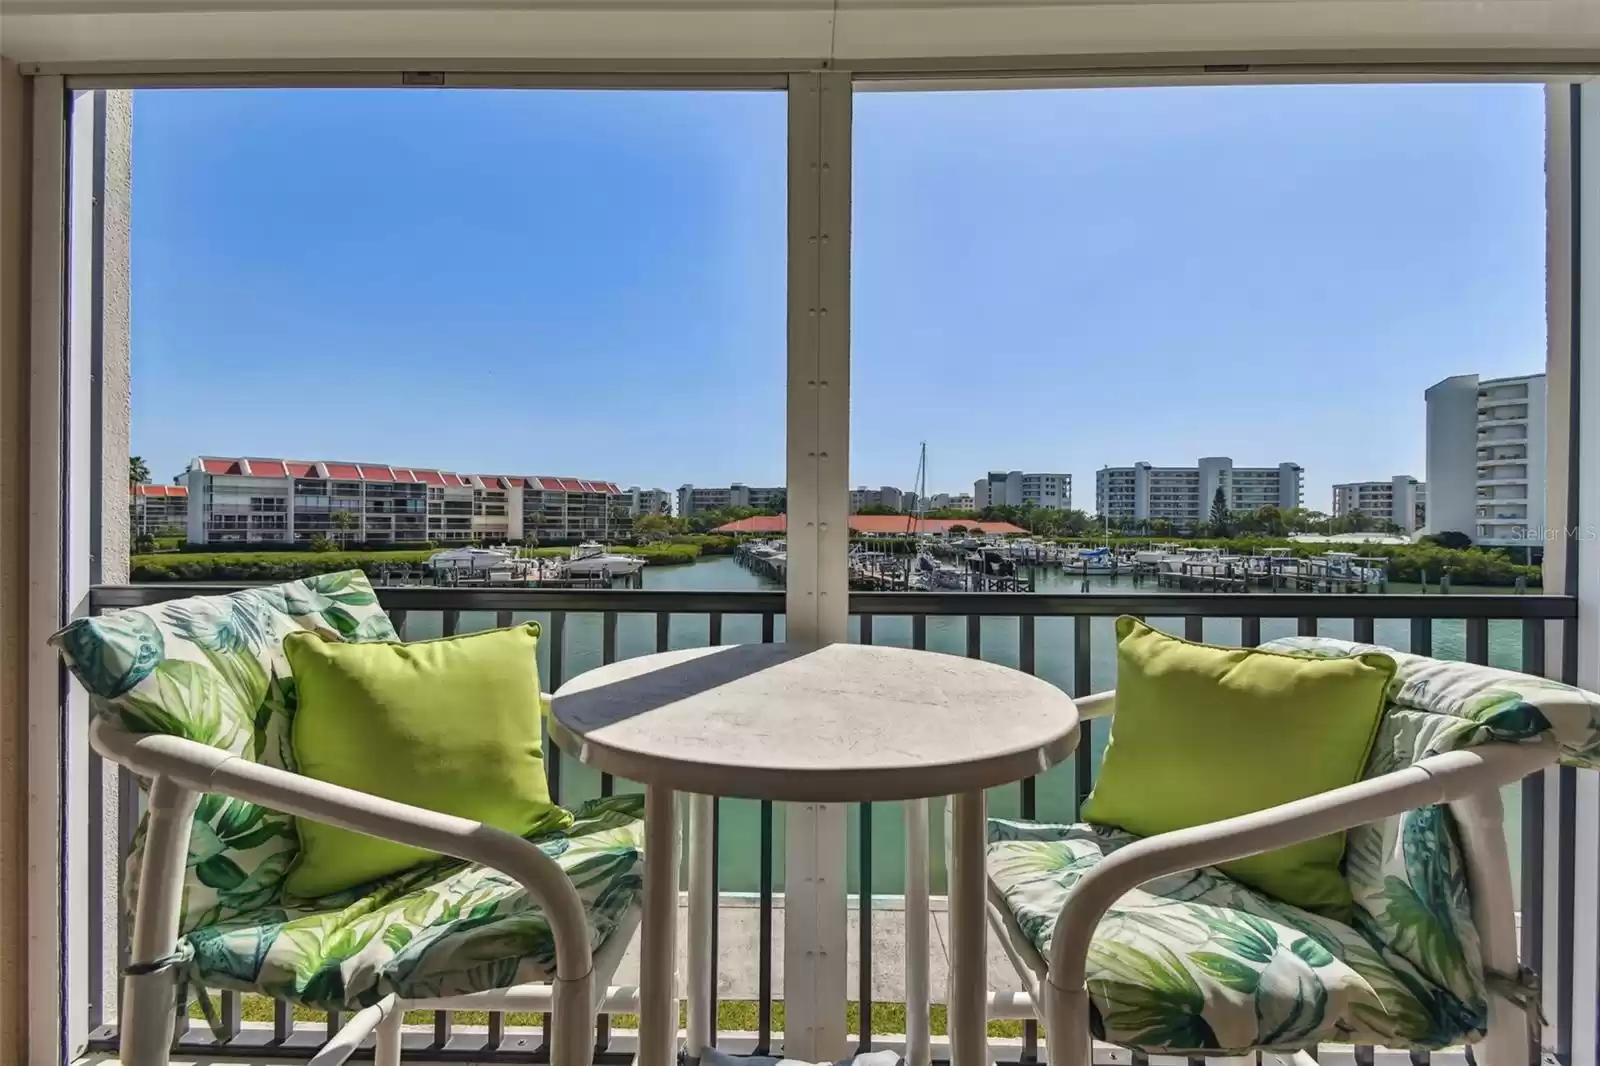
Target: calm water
738, 857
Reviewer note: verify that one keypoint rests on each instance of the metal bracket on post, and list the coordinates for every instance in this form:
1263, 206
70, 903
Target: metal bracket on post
817, 600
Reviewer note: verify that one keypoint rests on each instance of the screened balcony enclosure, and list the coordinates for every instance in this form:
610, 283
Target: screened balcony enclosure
829, 917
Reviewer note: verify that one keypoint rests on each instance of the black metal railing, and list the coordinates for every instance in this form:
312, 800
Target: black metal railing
1055, 636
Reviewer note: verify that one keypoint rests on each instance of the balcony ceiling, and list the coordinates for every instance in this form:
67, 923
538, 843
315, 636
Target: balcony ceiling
890, 37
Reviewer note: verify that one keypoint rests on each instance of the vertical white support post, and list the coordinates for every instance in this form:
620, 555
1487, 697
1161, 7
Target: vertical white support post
702, 916
1585, 381
1571, 867
969, 1019
658, 998
58, 544
817, 600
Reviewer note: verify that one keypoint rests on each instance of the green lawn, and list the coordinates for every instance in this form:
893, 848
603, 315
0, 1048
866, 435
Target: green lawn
732, 1016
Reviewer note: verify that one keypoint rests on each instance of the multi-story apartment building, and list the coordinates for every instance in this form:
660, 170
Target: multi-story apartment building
1013, 488
648, 501
951, 501
1183, 495
285, 501
886, 496
1486, 458
1402, 501
692, 500
156, 507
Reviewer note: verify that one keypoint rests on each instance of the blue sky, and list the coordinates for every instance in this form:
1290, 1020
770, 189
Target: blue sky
592, 284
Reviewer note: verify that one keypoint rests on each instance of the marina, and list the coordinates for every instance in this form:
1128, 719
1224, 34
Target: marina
590, 565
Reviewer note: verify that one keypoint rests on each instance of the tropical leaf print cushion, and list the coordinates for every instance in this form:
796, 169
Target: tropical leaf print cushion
1197, 963
1473, 704
211, 669
438, 930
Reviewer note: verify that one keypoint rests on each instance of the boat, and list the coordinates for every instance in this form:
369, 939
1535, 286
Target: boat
932, 574
991, 563
471, 559
592, 557
1089, 562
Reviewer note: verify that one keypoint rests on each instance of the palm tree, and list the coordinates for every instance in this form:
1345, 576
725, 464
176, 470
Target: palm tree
138, 471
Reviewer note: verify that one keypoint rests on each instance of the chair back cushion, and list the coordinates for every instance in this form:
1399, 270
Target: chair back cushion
211, 669
1408, 873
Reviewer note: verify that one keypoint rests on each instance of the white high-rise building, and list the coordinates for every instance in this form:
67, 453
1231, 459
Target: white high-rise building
1402, 500
1013, 488
648, 501
1184, 494
1486, 458
692, 500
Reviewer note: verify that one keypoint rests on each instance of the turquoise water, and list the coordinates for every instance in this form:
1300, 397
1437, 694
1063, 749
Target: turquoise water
738, 856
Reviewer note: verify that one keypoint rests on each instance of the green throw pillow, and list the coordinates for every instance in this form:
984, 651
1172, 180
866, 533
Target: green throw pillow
1204, 733
453, 725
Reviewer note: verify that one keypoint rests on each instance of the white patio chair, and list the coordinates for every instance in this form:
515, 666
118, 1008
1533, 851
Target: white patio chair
1142, 943
195, 697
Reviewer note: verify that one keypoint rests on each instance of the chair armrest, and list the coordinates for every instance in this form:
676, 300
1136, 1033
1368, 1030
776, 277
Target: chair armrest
1099, 705
1437, 779
206, 769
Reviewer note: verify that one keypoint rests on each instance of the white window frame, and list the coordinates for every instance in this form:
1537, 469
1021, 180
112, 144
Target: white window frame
817, 419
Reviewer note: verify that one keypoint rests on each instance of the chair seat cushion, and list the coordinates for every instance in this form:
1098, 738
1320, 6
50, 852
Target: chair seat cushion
1196, 962
444, 929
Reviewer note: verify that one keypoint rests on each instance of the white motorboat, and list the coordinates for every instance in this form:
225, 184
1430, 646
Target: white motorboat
471, 559
592, 557
1092, 562
938, 575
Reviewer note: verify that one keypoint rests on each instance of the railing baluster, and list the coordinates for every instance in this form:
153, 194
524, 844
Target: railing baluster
96, 768
1363, 1054
764, 937
768, 626
282, 1020
1478, 641
1027, 662
558, 662
397, 618
974, 636
335, 1023
1422, 636
866, 629
1194, 628
1532, 926
441, 1028
127, 825
1420, 1058
1249, 631
1306, 625
180, 1016
1082, 685
450, 623
919, 632
864, 928
232, 1016
663, 630
497, 1027
1362, 630
502, 620
714, 628
608, 655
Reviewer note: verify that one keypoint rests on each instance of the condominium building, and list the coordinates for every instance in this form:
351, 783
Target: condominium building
885, 496
1486, 458
692, 500
648, 501
1184, 494
1401, 501
157, 507
286, 501
1013, 488
951, 501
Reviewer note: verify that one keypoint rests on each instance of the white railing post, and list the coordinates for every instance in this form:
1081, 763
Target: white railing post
817, 600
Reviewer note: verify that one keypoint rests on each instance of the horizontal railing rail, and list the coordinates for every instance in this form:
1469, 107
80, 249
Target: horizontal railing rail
586, 628
989, 604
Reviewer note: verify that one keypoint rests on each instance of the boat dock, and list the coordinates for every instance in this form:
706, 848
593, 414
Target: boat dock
522, 574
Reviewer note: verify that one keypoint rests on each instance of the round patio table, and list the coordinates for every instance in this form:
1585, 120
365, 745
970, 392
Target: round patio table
840, 723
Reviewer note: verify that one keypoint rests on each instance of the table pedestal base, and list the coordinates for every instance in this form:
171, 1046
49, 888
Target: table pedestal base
969, 966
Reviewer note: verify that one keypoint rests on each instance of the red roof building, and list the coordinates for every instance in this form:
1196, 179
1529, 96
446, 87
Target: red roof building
875, 524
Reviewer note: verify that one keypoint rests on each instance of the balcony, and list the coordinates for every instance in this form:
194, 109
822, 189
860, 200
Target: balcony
1066, 639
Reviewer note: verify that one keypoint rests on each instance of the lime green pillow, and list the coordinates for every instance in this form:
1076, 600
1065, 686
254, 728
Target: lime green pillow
1204, 733
453, 725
